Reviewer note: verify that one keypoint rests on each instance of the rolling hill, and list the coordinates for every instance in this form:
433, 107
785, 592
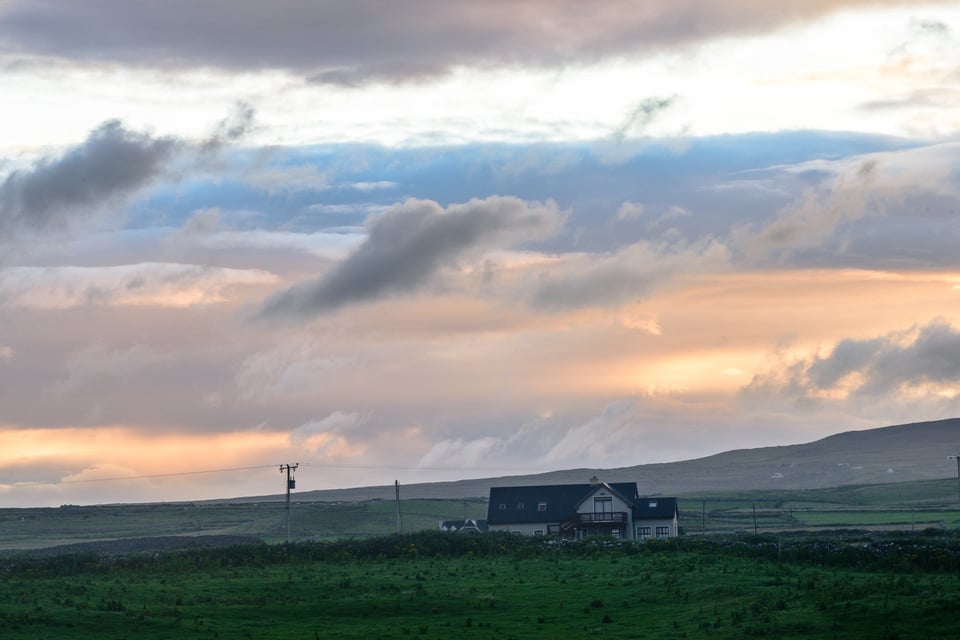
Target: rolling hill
900, 453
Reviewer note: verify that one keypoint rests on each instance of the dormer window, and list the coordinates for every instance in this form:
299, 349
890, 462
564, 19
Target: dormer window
542, 506
653, 504
503, 507
519, 506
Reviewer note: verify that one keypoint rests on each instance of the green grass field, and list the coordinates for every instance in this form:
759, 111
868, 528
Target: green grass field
446, 585
904, 506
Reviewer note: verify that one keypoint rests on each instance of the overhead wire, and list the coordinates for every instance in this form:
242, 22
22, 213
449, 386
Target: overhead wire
271, 466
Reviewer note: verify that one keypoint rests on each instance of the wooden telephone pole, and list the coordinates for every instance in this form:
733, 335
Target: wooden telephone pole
291, 484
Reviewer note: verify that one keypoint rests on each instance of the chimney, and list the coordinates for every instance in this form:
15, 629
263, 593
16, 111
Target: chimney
594, 481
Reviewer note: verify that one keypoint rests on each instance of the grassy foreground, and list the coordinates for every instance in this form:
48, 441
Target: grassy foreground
433, 585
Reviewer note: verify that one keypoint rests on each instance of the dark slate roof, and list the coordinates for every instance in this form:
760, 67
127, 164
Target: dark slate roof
655, 508
561, 501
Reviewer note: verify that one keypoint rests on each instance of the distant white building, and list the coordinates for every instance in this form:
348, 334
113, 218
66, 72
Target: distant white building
463, 526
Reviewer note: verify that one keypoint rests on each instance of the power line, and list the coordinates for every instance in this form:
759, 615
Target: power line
409, 468
271, 466
145, 477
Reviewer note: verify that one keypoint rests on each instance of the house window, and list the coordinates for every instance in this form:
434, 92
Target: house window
542, 506
503, 507
653, 504
603, 505
643, 532
663, 532
519, 505
538, 532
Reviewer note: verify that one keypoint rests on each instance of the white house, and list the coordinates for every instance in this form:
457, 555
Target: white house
581, 510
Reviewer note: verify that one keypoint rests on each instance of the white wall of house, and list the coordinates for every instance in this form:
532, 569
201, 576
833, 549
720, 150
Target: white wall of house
602, 499
524, 528
655, 528
590, 505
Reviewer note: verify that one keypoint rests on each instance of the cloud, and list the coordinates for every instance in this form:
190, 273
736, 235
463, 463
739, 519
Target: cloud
939, 98
373, 186
111, 163
640, 116
627, 275
230, 129
287, 179
409, 244
919, 363
153, 284
865, 186
99, 361
629, 211
350, 43
58, 193
326, 436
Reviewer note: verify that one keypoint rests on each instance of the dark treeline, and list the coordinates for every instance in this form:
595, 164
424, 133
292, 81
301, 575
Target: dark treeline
927, 551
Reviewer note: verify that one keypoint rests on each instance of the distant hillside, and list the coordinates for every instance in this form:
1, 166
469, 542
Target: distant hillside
874, 456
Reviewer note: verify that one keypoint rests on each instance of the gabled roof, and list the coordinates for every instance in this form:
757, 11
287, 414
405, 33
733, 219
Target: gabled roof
654, 508
522, 504
629, 497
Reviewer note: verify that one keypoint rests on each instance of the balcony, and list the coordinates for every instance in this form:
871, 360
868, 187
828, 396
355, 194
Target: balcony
601, 518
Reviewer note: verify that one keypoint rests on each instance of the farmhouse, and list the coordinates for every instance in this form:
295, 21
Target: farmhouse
580, 510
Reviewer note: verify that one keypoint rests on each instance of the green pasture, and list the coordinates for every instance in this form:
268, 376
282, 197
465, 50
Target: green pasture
36, 528
447, 585
908, 505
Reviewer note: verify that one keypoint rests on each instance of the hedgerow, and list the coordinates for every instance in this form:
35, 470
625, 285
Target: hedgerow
924, 552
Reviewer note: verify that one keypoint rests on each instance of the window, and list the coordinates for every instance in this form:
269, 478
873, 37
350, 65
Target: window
663, 532
520, 505
538, 532
603, 505
542, 506
643, 532
503, 507
653, 504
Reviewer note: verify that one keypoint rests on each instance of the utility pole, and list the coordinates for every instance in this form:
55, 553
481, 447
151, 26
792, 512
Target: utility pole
957, 458
291, 484
396, 484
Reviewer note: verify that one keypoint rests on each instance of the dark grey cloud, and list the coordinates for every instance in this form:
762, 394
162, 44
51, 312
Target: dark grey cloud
230, 129
847, 357
878, 367
59, 191
932, 357
112, 162
409, 244
351, 42
641, 116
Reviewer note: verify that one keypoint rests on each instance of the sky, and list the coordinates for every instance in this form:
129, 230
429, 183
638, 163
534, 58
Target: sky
439, 239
